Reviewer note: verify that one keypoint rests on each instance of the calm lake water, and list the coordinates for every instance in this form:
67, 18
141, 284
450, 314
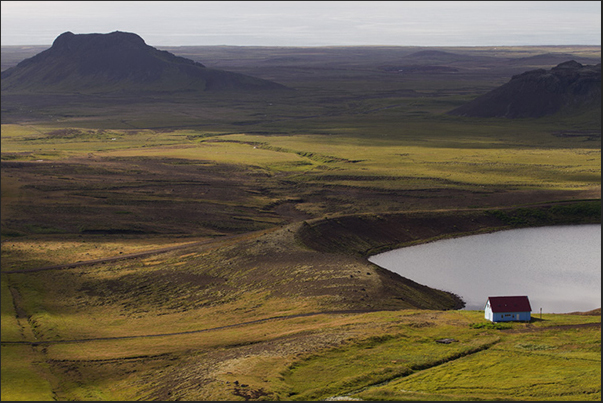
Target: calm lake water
558, 268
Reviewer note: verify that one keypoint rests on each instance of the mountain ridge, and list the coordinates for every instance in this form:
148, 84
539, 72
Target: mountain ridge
567, 87
122, 62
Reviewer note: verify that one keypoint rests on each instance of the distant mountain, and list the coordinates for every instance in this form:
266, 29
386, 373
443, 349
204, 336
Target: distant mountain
570, 86
419, 68
118, 62
436, 57
551, 59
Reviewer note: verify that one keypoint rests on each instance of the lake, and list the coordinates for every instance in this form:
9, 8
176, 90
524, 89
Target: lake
558, 268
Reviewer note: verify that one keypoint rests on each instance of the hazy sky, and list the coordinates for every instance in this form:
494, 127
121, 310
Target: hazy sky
310, 23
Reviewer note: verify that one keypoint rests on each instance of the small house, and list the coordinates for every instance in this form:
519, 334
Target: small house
507, 309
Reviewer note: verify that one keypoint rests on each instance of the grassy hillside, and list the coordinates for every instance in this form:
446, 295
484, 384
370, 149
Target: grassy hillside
283, 321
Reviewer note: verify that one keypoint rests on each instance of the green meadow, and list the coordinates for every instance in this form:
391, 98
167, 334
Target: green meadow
525, 155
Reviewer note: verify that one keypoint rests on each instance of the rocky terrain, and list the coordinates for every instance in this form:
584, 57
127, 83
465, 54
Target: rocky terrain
568, 87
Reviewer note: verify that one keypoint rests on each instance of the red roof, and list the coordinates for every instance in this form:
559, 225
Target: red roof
510, 304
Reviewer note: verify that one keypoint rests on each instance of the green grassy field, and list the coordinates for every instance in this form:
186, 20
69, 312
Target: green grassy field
373, 356
276, 301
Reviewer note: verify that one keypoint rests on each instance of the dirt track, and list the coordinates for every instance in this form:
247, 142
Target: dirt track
529, 329
301, 315
532, 329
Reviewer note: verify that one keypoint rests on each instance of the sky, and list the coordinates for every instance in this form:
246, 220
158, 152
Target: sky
310, 23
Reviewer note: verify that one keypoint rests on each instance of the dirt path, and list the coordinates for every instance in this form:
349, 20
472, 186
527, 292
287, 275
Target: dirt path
532, 329
300, 315
284, 317
425, 367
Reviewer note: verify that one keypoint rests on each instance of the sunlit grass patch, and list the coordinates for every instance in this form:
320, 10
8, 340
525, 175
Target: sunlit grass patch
14, 131
232, 153
524, 367
380, 358
24, 374
48, 143
10, 325
402, 162
28, 253
168, 342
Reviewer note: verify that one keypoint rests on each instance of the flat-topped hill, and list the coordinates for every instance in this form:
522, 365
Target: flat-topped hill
119, 62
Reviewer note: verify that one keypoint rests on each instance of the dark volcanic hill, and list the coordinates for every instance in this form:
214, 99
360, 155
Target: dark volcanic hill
122, 62
569, 86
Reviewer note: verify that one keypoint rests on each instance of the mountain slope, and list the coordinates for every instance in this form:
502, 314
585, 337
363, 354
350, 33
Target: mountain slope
568, 87
118, 61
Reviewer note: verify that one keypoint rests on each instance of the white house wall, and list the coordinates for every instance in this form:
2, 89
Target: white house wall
508, 316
